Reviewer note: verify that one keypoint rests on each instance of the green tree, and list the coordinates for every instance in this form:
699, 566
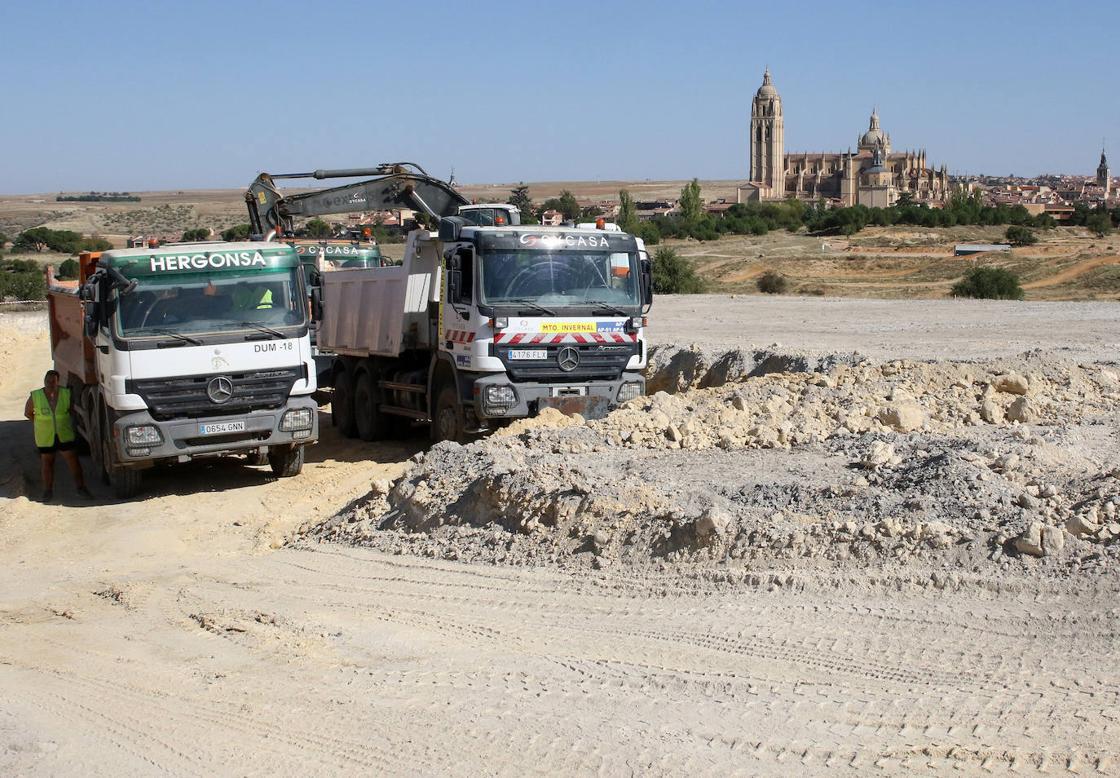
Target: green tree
3, 239
198, 233
22, 280
691, 203
317, 228
1099, 223
237, 232
989, 283
519, 196
569, 206
673, 274
1021, 236
648, 232
68, 270
35, 239
627, 212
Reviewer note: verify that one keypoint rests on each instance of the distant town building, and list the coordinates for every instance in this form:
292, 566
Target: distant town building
873, 175
1103, 179
552, 218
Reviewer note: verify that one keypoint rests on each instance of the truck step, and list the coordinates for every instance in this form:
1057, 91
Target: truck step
418, 388
410, 413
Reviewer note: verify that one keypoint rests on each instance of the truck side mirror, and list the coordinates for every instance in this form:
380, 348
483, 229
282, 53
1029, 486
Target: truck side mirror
454, 284
92, 318
647, 281
316, 303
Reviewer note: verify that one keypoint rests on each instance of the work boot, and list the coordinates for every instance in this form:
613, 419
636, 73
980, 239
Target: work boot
48, 495
84, 493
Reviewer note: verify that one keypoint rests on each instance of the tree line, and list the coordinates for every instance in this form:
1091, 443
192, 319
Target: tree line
691, 220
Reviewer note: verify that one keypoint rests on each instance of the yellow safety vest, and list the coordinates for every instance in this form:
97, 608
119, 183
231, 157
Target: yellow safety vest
247, 299
51, 422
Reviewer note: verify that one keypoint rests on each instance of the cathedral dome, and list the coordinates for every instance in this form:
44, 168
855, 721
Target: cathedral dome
874, 135
767, 89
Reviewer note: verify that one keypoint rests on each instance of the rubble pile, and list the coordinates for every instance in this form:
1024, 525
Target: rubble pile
958, 465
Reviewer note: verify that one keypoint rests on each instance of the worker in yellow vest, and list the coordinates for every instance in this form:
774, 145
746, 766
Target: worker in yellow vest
49, 409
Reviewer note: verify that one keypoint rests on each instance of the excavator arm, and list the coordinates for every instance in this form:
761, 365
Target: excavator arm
398, 185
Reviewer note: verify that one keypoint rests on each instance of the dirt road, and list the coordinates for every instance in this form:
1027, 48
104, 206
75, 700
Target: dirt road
172, 635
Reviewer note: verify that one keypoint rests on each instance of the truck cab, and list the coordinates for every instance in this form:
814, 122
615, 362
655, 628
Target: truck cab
198, 349
481, 325
553, 317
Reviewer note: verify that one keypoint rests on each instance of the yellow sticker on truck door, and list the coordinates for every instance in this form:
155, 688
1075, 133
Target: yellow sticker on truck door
567, 326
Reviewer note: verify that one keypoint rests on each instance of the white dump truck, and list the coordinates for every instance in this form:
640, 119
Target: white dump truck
187, 350
481, 325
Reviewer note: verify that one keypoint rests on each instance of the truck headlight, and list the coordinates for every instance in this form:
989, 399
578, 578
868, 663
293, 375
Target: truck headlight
297, 419
499, 398
629, 391
143, 435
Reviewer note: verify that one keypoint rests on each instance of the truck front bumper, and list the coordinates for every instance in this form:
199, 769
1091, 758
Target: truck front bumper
188, 438
496, 397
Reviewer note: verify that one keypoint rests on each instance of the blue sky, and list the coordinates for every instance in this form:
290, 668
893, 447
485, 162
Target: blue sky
162, 95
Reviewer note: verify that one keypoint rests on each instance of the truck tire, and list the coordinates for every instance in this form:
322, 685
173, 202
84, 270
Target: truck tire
342, 404
286, 461
371, 423
124, 481
447, 421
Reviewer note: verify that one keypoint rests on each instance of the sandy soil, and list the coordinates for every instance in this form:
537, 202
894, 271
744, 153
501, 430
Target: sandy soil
175, 634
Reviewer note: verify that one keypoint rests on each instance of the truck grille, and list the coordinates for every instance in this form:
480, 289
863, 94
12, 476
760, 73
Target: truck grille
597, 362
186, 396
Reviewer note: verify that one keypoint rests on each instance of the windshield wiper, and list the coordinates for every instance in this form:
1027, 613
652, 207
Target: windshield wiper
174, 334
530, 303
262, 328
611, 309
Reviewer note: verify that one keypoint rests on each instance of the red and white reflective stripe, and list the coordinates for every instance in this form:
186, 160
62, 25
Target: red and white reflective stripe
459, 336
513, 338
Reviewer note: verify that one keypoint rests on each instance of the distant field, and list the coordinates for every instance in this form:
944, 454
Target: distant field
909, 262
893, 262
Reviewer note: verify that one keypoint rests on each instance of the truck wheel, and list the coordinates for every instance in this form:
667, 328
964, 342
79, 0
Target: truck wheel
286, 461
124, 481
447, 421
342, 405
372, 424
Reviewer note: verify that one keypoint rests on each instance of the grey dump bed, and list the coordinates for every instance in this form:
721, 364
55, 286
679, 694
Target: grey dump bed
380, 310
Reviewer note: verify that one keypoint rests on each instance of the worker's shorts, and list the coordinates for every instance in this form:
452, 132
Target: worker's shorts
58, 445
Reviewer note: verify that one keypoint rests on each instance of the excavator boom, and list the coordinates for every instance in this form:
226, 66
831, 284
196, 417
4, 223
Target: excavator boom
397, 185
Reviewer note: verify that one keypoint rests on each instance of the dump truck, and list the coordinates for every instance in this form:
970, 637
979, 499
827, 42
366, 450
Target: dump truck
482, 325
321, 256
184, 351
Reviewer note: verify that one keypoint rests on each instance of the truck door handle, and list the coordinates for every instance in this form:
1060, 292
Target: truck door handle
103, 349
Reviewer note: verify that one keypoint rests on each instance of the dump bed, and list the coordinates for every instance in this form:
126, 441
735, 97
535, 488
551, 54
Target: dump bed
71, 350
374, 311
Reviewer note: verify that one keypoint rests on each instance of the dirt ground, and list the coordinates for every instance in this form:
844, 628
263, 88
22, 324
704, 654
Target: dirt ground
211, 627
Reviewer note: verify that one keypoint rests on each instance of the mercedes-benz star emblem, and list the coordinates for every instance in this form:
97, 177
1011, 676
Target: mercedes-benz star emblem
568, 359
219, 389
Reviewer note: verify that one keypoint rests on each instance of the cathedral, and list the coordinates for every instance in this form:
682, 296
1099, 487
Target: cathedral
872, 175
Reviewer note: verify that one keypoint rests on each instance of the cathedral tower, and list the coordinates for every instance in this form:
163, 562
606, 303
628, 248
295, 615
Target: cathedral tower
1103, 177
768, 141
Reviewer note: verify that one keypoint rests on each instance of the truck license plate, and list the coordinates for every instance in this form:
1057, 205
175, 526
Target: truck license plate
528, 353
221, 427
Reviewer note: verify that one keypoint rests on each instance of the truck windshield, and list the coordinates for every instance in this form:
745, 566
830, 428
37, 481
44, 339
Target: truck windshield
559, 278
196, 303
